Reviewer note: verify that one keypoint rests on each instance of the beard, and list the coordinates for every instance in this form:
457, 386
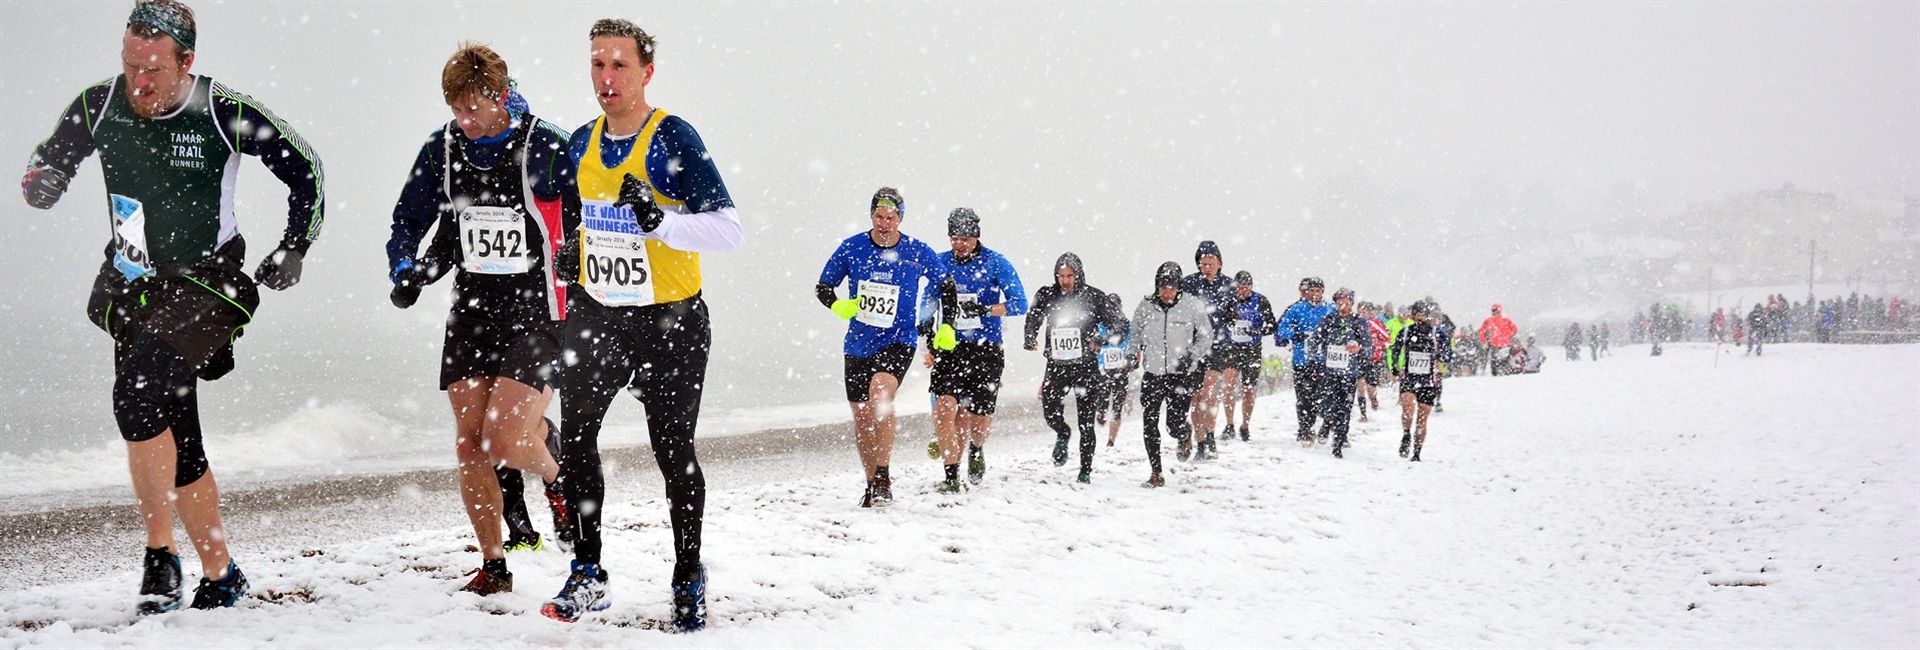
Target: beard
151, 103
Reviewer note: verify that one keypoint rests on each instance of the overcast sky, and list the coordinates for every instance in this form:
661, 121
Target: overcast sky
1123, 132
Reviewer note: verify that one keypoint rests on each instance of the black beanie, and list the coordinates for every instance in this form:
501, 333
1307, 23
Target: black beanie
1208, 248
962, 222
1168, 275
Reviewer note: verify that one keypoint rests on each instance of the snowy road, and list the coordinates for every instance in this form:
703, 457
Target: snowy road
1636, 501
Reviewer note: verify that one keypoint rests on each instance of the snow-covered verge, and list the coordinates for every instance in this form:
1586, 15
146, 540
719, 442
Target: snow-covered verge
1635, 501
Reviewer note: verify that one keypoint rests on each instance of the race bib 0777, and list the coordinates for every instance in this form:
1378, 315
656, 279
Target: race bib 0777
1420, 363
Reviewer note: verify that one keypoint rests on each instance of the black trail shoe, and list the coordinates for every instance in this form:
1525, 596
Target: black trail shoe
160, 582
1406, 442
223, 592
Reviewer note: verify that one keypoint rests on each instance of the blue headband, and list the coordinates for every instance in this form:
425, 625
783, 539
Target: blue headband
164, 19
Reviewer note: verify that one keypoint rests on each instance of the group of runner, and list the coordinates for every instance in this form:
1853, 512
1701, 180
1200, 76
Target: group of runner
576, 265
521, 211
1198, 339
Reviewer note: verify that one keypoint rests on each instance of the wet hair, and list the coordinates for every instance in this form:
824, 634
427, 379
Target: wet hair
474, 68
177, 12
622, 27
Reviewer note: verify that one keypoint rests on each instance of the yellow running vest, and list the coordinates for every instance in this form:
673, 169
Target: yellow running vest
618, 266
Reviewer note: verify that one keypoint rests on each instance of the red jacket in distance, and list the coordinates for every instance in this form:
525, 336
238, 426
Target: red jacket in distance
1497, 331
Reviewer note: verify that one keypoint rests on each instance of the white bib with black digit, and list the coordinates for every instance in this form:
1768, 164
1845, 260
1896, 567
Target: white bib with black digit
1065, 343
493, 241
615, 267
1242, 331
1113, 358
1338, 358
879, 303
1420, 363
967, 301
130, 238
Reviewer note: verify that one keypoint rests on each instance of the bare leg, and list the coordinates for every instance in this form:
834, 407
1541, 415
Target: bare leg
1229, 390
885, 425
151, 464
946, 428
976, 427
199, 508
479, 488
1247, 395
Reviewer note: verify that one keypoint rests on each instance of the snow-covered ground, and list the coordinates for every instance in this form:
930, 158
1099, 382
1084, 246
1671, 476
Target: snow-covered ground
1636, 501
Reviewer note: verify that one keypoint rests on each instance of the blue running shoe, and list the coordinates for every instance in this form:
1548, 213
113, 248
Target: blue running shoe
160, 582
585, 591
690, 604
223, 592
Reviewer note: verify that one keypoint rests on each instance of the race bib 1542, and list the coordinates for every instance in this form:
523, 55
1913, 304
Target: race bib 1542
494, 241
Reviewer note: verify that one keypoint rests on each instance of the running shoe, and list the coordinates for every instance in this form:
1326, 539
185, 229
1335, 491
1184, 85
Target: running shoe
585, 591
1406, 442
1226, 434
160, 582
1060, 453
950, 487
1416, 455
933, 449
486, 583
1154, 481
866, 498
1185, 450
524, 544
882, 492
1336, 451
690, 604
223, 592
976, 465
1085, 477
1243, 434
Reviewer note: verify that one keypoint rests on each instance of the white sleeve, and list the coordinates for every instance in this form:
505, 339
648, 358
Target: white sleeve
700, 232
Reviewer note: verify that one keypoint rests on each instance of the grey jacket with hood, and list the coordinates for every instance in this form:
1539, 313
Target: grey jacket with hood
1171, 339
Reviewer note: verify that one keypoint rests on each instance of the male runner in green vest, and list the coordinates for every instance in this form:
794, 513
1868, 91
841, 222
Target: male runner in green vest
172, 292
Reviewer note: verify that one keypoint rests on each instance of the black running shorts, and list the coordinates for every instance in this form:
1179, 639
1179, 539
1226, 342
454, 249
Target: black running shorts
1370, 372
524, 352
1428, 395
893, 360
1221, 357
970, 373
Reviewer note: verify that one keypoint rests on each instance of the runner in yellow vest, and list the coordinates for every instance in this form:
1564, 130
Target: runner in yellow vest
649, 201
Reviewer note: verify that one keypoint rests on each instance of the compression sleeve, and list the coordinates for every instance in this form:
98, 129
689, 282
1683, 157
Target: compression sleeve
825, 294
72, 138
258, 132
1268, 324
686, 171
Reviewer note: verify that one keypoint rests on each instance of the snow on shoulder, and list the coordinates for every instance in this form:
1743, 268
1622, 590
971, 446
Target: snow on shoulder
1636, 501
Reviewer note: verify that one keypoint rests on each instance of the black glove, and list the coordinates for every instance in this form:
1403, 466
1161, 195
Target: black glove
280, 269
637, 195
566, 261
43, 186
1184, 367
407, 281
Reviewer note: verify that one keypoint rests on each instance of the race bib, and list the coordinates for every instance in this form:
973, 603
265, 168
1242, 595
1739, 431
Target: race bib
1242, 331
1113, 358
879, 304
494, 241
1420, 363
1338, 358
130, 238
1065, 343
615, 268
968, 300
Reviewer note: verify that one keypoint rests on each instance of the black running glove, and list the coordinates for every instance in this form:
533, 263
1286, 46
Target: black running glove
407, 281
43, 186
280, 269
637, 195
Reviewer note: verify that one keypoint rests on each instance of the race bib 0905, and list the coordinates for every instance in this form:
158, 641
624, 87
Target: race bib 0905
494, 241
615, 268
